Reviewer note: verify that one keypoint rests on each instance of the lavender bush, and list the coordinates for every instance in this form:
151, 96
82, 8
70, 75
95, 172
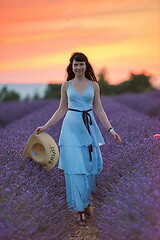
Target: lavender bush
33, 199
10, 111
147, 103
126, 203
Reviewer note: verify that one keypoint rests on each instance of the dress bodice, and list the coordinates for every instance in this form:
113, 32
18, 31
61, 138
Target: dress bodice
80, 101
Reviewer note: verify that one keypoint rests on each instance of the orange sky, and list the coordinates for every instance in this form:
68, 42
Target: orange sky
37, 38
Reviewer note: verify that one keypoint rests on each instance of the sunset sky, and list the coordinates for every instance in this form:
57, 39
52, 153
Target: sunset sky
37, 38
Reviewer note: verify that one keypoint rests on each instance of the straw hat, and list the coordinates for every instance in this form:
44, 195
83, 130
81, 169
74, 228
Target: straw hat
42, 149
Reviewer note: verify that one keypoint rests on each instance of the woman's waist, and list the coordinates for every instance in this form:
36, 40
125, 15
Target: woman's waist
76, 114
80, 110
80, 107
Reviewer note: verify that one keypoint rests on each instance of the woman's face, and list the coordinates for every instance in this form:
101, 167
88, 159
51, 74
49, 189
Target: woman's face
78, 68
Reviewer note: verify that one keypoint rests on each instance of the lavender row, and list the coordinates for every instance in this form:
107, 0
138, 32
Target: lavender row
128, 197
147, 103
33, 200
11, 111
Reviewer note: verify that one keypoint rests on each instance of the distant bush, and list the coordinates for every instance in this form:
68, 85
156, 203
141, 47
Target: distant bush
36, 96
53, 91
135, 84
6, 95
103, 83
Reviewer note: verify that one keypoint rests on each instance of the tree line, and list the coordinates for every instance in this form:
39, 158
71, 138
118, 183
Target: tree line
135, 84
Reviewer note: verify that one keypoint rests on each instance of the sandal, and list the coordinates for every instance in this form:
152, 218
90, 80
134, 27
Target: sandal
87, 212
82, 220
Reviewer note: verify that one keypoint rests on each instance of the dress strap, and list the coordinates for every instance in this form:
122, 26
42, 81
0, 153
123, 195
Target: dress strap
68, 84
91, 84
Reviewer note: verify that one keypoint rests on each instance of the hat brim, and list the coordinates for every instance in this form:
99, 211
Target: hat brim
42, 149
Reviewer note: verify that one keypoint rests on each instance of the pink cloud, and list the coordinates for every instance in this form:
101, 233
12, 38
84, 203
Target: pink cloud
45, 29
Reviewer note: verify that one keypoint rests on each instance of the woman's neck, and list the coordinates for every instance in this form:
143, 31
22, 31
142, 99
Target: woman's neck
80, 78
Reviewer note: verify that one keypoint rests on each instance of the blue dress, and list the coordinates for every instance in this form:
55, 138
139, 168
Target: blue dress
80, 170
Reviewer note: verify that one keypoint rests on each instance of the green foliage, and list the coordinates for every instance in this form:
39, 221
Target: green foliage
36, 96
27, 98
6, 95
136, 83
53, 91
104, 86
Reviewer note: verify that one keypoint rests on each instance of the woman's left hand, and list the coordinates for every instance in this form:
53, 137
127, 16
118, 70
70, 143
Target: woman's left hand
116, 137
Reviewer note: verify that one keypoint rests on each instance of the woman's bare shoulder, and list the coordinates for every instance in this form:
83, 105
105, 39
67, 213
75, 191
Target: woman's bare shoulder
95, 85
65, 84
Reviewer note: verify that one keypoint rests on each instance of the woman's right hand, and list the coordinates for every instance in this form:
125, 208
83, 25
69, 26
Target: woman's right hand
116, 137
40, 129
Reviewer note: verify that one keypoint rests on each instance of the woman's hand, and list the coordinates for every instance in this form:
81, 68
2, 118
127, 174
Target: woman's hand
40, 129
116, 136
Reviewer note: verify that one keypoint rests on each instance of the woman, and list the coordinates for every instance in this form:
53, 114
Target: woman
80, 137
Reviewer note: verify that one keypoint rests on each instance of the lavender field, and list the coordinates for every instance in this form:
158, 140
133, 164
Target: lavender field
147, 103
126, 204
10, 111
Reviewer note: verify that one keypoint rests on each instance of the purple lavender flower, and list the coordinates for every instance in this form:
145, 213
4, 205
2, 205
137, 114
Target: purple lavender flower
127, 199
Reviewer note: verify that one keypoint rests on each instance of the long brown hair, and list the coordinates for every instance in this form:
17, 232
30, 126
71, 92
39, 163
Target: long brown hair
80, 57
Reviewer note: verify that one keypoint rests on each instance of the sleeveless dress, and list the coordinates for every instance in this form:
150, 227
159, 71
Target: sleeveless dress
81, 171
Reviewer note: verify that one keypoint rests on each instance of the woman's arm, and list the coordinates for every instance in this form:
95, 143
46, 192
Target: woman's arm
98, 109
97, 106
62, 109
